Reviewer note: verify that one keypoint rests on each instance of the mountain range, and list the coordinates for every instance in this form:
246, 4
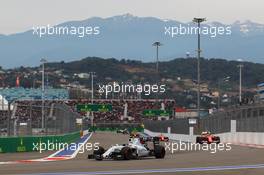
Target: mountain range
131, 37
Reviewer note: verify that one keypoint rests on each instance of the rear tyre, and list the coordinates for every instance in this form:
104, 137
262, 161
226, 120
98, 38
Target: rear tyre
126, 153
98, 154
217, 140
156, 140
159, 152
198, 140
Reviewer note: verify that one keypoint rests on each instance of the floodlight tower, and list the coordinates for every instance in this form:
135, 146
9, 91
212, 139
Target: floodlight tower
157, 44
43, 61
198, 21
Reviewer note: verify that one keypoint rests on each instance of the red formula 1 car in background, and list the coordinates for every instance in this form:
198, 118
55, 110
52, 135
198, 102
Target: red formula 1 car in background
207, 137
163, 138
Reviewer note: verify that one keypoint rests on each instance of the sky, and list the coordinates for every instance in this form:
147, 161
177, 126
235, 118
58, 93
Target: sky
21, 15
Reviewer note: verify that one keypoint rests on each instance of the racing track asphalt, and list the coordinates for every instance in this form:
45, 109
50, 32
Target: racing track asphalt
171, 164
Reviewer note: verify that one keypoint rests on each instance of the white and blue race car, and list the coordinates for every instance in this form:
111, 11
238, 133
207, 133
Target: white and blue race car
133, 150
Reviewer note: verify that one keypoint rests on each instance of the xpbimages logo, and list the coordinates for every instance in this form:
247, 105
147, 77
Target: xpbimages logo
212, 31
146, 89
55, 146
80, 31
188, 146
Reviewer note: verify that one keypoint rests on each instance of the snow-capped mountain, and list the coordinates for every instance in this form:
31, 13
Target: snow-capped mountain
131, 37
248, 27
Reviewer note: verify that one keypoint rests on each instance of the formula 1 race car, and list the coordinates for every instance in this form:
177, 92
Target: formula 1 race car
207, 137
122, 131
133, 150
146, 138
142, 136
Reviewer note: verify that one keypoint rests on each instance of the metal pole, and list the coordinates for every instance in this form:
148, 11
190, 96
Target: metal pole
198, 21
240, 82
43, 89
198, 71
157, 65
3, 103
9, 120
219, 95
30, 114
157, 44
43, 61
92, 89
15, 122
92, 86
92, 98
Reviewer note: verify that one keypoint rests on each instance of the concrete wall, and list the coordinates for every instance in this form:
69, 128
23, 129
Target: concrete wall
248, 138
182, 137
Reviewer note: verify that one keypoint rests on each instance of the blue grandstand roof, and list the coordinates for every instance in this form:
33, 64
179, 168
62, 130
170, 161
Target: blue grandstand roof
261, 84
33, 94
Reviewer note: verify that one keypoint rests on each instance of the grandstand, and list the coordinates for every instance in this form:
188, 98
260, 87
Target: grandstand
133, 113
25, 106
29, 112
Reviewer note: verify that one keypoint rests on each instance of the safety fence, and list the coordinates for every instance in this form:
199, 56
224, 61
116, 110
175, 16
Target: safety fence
248, 119
218, 123
31, 118
180, 126
255, 139
114, 128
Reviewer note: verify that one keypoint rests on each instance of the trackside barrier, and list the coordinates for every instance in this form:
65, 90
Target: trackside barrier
25, 144
114, 129
182, 137
233, 137
85, 132
249, 138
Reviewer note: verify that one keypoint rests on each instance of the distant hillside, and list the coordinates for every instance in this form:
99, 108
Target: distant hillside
123, 70
128, 36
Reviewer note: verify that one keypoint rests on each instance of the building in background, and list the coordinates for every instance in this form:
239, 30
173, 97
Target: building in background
260, 91
3, 103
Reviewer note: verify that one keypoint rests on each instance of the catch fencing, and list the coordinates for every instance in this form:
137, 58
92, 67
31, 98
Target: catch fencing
248, 118
26, 120
180, 126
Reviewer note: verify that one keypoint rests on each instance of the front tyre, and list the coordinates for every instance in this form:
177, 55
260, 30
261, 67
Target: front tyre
98, 154
217, 140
